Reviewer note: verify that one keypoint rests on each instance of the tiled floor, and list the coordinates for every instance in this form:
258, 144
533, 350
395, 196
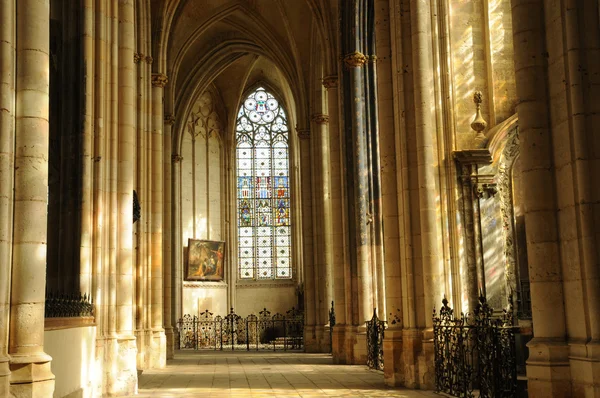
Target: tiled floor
261, 374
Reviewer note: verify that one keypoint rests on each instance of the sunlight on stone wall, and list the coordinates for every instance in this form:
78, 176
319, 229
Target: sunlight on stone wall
201, 185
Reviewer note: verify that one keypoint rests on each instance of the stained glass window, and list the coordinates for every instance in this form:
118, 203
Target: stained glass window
263, 191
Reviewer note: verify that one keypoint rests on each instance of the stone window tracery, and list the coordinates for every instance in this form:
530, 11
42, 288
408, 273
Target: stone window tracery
263, 191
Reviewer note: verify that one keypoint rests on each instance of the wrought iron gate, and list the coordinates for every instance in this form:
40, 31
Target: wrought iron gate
475, 352
375, 332
262, 332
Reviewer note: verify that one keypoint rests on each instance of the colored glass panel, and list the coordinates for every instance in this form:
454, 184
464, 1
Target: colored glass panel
263, 191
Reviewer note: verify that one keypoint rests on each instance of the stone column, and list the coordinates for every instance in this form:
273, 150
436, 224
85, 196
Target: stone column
126, 378
7, 147
30, 366
310, 275
358, 169
547, 366
427, 170
337, 217
177, 248
324, 183
85, 249
158, 333
169, 120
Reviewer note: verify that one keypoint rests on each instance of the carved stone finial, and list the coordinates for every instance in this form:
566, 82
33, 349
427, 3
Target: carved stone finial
355, 59
320, 118
479, 124
170, 120
159, 79
137, 57
330, 81
175, 158
303, 134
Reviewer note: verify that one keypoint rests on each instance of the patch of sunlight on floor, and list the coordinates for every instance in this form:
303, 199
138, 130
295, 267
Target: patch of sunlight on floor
264, 374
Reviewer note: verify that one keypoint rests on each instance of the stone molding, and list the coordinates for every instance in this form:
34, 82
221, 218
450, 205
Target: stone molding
320, 118
205, 285
68, 323
170, 120
276, 284
330, 81
355, 59
303, 134
159, 80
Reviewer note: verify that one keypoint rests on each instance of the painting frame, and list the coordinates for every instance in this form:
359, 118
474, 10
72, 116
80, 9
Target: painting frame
205, 260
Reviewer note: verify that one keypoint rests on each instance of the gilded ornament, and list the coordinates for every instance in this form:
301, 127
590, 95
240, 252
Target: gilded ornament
355, 59
479, 124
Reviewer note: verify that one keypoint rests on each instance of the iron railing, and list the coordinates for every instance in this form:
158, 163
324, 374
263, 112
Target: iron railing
262, 332
375, 333
72, 305
331, 325
475, 352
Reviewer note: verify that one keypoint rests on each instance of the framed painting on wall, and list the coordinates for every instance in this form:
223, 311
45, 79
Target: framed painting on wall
206, 260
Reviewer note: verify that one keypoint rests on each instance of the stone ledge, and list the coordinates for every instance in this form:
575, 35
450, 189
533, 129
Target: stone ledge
69, 323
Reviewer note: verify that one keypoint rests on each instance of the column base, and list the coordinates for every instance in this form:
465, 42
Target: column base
585, 368
311, 343
158, 358
349, 345
548, 368
4, 377
339, 345
322, 334
170, 343
120, 362
31, 376
141, 344
393, 370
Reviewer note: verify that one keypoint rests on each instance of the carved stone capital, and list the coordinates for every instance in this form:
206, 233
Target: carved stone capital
159, 79
137, 57
149, 59
304, 134
175, 158
170, 120
355, 59
485, 190
320, 118
330, 81
372, 58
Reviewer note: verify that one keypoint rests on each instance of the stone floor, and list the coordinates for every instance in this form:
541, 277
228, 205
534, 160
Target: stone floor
261, 374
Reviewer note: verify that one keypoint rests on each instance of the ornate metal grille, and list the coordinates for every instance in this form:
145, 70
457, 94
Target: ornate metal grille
61, 305
263, 191
263, 332
375, 332
475, 352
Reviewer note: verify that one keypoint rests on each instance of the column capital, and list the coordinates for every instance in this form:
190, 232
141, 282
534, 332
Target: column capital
320, 118
303, 134
176, 158
330, 81
149, 59
137, 57
355, 59
169, 119
159, 79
